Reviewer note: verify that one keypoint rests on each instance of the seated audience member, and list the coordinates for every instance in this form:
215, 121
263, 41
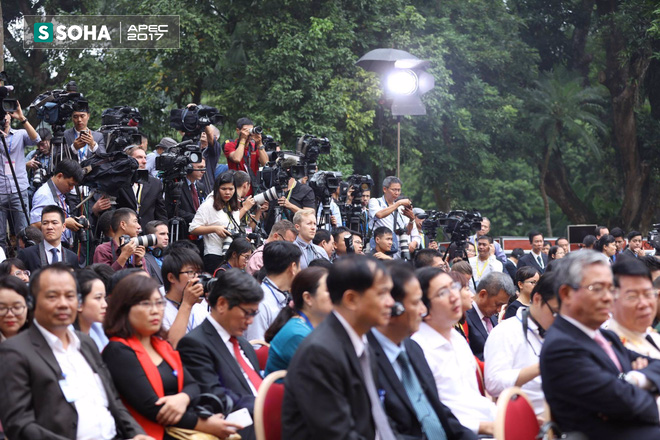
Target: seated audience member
556, 253
93, 306
216, 354
652, 262
428, 258
588, 242
330, 389
512, 350
311, 305
448, 354
153, 257
282, 263
124, 223
16, 268
13, 307
185, 307
324, 239
466, 301
358, 243
484, 263
321, 262
511, 264
340, 236
282, 230
607, 245
237, 255
146, 370
50, 250
28, 237
410, 395
526, 279
493, 292
562, 242
105, 273
635, 307
216, 219
383, 240
305, 223
56, 385
588, 375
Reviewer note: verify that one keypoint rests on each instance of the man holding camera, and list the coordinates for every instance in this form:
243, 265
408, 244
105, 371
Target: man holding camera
246, 152
40, 156
121, 252
391, 211
160, 148
82, 141
10, 197
153, 258
57, 191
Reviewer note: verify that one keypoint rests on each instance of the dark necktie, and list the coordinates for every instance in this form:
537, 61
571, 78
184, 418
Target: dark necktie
195, 196
540, 260
383, 429
55, 258
251, 374
425, 414
652, 342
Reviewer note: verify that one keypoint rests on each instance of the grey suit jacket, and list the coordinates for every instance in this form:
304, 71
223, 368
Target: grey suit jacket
33, 405
70, 136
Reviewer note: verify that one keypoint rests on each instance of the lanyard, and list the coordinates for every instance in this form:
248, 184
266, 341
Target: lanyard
303, 316
138, 196
479, 272
270, 286
288, 196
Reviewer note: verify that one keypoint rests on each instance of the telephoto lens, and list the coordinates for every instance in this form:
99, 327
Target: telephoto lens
256, 130
146, 240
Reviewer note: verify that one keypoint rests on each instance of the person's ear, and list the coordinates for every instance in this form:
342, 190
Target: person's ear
351, 299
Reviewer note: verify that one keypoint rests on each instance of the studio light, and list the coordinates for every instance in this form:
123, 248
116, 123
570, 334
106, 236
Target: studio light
402, 82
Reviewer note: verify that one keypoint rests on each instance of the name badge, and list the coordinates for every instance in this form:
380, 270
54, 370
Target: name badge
71, 393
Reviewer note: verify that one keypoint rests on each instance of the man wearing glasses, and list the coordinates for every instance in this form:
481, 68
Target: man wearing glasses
393, 212
511, 353
220, 359
592, 382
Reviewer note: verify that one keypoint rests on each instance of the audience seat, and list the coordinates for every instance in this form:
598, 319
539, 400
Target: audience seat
268, 407
515, 419
262, 352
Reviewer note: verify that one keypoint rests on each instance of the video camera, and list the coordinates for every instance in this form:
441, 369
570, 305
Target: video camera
175, 161
120, 127
352, 213
310, 146
57, 106
192, 120
654, 238
8, 105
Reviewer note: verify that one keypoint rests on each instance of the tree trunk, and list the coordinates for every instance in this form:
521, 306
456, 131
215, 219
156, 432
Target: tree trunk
560, 191
544, 195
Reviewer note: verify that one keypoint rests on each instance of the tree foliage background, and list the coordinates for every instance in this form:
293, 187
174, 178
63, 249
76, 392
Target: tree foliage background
543, 113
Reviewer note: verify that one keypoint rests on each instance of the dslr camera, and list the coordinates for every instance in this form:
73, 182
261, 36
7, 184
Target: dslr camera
141, 240
120, 127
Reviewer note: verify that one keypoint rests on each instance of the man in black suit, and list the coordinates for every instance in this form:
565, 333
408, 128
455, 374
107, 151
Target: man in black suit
493, 291
50, 375
411, 396
216, 354
330, 391
536, 258
50, 250
592, 383
634, 248
144, 198
81, 142
193, 193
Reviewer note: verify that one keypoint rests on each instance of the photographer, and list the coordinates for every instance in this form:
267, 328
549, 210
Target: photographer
420, 240
216, 219
160, 148
153, 258
82, 141
390, 210
243, 188
40, 156
246, 152
383, 239
124, 222
193, 193
57, 191
10, 197
335, 214
144, 198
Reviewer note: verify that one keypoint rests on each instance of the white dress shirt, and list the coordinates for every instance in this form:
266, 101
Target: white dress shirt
225, 336
83, 387
206, 215
482, 268
269, 307
198, 314
507, 351
455, 371
49, 254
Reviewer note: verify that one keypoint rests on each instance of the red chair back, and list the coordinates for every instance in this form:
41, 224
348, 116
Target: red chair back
516, 419
268, 408
262, 352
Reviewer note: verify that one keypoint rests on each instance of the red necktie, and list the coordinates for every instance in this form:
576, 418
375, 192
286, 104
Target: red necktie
247, 369
195, 196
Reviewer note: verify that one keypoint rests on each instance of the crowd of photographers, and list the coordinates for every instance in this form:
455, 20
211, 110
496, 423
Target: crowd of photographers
235, 248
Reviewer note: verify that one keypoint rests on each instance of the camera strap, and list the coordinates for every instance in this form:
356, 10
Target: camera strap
233, 221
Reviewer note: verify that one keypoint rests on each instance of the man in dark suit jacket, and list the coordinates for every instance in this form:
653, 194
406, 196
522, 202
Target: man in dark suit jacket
493, 291
46, 396
532, 258
211, 351
587, 388
330, 391
144, 198
391, 343
81, 142
189, 205
50, 250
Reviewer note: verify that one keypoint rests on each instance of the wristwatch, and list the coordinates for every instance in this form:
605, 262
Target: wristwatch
261, 147
23, 121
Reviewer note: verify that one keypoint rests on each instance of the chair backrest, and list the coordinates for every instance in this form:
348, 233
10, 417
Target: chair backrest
262, 352
268, 407
515, 419
480, 376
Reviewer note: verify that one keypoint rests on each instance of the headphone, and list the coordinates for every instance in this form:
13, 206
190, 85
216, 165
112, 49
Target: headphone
525, 326
397, 309
22, 235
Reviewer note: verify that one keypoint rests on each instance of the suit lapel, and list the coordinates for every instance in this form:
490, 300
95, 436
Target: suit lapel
589, 344
346, 344
129, 195
385, 366
475, 323
223, 353
43, 349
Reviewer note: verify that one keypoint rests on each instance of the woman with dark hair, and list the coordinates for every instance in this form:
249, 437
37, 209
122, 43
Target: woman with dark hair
526, 279
466, 299
311, 304
146, 370
14, 313
556, 253
216, 219
15, 267
91, 310
237, 255
606, 244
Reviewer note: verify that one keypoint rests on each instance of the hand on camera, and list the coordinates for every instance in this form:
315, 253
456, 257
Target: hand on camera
282, 201
193, 292
72, 224
101, 205
139, 252
18, 114
249, 202
244, 135
32, 164
222, 231
128, 249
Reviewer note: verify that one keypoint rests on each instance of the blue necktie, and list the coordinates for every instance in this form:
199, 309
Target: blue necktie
425, 413
55, 258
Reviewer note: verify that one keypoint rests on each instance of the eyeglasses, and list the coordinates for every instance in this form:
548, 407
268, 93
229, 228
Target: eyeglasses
17, 309
455, 286
598, 289
18, 273
190, 273
248, 313
552, 310
633, 296
148, 305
